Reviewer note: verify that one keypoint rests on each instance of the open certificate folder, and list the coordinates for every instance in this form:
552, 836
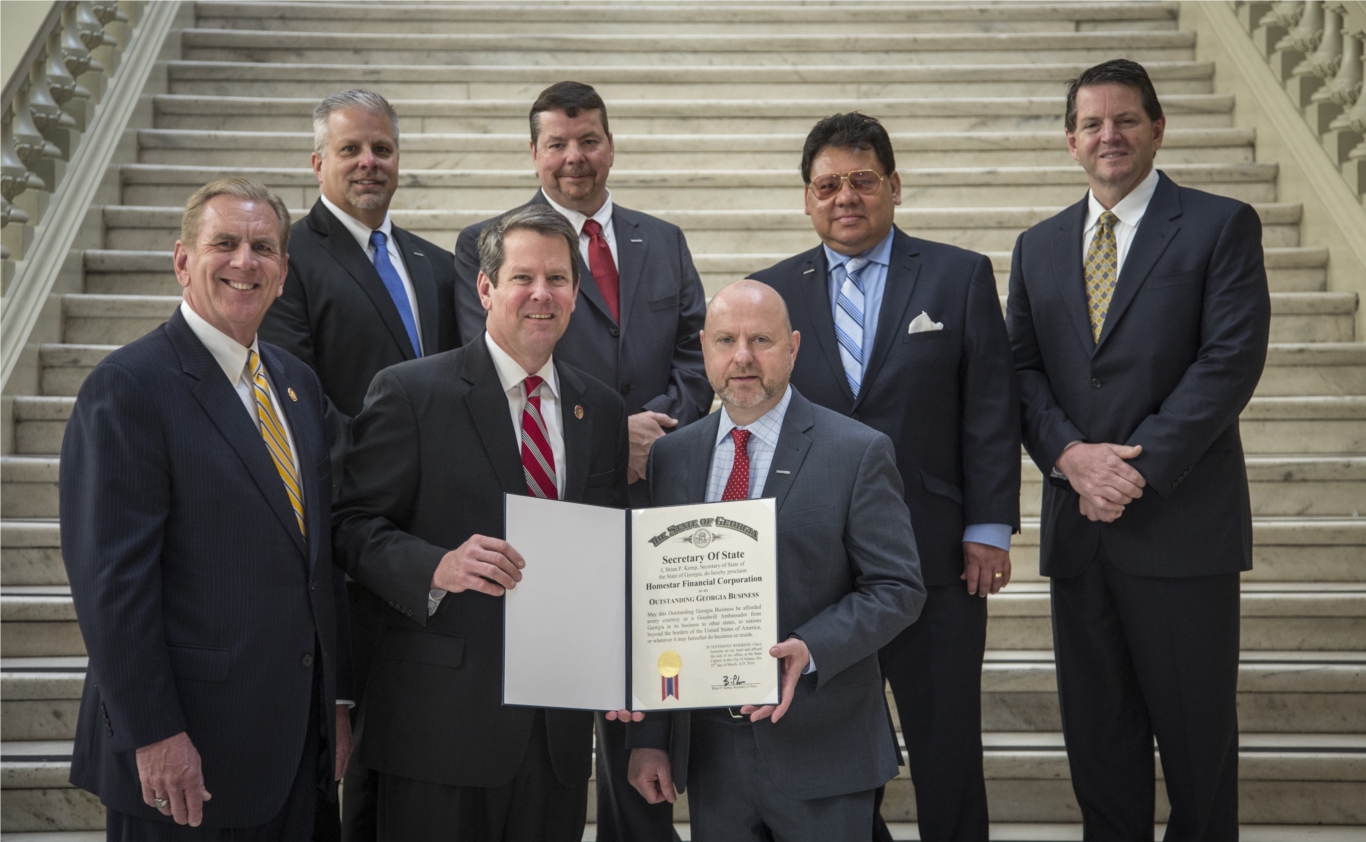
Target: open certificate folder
649, 609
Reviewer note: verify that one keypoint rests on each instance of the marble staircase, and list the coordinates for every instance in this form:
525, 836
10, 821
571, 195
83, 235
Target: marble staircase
709, 104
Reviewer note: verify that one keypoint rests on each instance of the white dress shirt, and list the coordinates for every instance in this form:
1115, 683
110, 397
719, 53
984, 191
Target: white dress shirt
1130, 212
604, 218
511, 376
361, 232
232, 357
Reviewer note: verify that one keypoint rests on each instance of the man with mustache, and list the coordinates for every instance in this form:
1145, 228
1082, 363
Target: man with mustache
641, 306
362, 294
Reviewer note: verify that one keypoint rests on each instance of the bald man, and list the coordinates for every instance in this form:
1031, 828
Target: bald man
849, 581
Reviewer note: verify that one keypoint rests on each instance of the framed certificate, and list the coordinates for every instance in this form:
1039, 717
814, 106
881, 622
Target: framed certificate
649, 609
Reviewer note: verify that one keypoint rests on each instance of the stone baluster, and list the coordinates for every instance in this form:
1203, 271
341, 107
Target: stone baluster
1268, 23
1342, 96
1298, 43
15, 180
1323, 66
1307, 75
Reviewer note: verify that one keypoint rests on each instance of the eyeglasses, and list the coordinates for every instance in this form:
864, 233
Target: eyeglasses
866, 182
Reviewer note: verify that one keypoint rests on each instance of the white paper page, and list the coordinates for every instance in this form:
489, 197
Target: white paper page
565, 621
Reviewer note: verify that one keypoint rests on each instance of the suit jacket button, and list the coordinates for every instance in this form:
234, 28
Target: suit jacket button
308, 660
1095, 382
626, 388
616, 331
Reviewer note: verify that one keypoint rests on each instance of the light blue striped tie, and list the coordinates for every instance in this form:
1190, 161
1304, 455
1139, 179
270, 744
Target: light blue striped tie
849, 322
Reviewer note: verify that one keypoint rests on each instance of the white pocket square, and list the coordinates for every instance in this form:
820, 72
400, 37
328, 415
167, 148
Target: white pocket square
922, 323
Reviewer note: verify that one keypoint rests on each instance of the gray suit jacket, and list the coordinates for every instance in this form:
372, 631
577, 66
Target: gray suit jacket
848, 579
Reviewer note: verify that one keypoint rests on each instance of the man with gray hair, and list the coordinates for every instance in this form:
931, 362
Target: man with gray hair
362, 294
438, 444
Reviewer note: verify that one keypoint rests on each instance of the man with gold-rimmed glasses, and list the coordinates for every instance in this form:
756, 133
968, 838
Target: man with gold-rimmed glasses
906, 335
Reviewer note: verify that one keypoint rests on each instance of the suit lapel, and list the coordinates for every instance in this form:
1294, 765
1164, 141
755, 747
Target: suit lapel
631, 248
338, 242
578, 434
224, 408
424, 289
699, 458
814, 284
1070, 276
793, 444
1155, 232
588, 287
488, 406
903, 270
317, 501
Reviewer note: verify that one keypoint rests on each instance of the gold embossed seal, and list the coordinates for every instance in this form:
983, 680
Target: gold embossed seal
670, 663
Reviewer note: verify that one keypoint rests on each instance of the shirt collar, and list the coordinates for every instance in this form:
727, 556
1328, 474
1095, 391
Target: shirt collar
359, 229
1130, 209
880, 253
511, 374
603, 216
230, 354
766, 427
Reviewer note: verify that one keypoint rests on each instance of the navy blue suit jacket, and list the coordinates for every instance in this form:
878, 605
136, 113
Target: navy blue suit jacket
201, 604
946, 398
1181, 351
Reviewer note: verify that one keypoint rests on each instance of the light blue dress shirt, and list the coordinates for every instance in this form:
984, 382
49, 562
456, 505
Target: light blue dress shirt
874, 277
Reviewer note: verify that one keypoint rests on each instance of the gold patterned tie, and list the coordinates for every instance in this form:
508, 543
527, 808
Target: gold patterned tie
1102, 272
273, 432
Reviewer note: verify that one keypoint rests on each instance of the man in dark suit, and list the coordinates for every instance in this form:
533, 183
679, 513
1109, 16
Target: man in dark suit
195, 495
642, 306
906, 336
362, 294
1139, 318
418, 522
849, 581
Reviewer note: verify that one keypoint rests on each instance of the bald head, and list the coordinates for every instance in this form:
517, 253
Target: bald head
749, 348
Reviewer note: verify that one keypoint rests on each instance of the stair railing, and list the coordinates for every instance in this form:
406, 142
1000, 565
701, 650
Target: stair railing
64, 110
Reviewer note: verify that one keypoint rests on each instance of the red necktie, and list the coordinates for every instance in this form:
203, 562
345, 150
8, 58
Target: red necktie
538, 460
602, 266
737, 487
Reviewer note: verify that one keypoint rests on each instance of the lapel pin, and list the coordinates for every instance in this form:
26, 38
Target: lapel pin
808, 271
578, 412
781, 471
637, 241
292, 396
419, 254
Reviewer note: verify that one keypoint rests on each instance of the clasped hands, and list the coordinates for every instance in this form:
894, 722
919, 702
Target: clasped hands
649, 770
1101, 474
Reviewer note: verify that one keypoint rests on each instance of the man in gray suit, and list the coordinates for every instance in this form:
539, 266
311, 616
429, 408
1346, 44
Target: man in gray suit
640, 307
849, 581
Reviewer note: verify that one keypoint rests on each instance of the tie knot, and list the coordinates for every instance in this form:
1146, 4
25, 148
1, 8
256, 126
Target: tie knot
593, 227
533, 385
855, 264
377, 240
1108, 220
253, 362
741, 438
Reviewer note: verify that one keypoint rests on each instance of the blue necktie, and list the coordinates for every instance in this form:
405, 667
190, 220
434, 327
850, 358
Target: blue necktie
394, 284
849, 322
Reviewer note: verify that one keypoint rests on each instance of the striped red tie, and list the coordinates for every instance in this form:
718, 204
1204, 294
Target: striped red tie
737, 487
538, 460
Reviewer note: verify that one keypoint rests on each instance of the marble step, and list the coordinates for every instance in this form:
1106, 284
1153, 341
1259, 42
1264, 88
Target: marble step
111, 272
1300, 425
508, 151
754, 18
619, 82
784, 232
118, 319
541, 45
1284, 779
1280, 486
155, 184
678, 116
41, 621
1300, 692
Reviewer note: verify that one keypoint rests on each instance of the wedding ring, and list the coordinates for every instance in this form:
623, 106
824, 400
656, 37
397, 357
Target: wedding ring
996, 575
160, 803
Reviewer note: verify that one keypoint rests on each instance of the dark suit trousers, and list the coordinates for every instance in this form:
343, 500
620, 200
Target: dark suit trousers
360, 787
535, 805
935, 669
1140, 657
623, 815
293, 822
731, 797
